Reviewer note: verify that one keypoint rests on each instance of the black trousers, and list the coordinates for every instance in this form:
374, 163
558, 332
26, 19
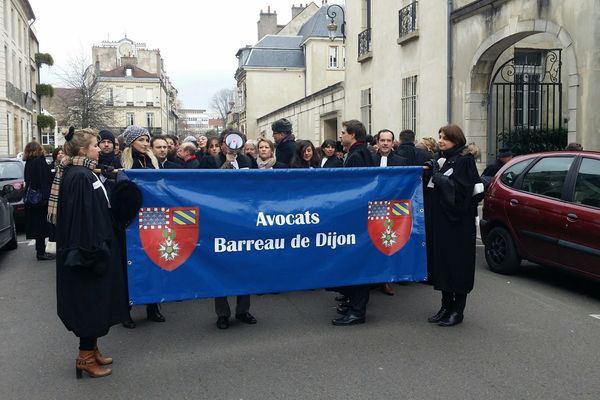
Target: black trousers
358, 298
40, 246
222, 306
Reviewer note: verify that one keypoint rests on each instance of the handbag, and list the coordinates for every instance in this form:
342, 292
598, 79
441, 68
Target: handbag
32, 197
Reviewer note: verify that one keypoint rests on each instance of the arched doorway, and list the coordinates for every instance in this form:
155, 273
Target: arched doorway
477, 110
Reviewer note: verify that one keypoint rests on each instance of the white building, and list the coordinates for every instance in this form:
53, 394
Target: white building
18, 76
196, 119
136, 85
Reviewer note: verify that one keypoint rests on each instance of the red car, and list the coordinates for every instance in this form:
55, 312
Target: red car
545, 207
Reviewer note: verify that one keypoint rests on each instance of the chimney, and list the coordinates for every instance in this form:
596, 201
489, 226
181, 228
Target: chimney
267, 24
297, 10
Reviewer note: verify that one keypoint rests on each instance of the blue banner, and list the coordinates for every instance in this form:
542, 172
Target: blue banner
211, 233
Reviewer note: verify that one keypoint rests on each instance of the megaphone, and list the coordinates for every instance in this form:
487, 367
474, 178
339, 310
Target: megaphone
235, 142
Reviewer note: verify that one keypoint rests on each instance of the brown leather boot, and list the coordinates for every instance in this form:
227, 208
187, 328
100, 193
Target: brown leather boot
100, 359
87, 362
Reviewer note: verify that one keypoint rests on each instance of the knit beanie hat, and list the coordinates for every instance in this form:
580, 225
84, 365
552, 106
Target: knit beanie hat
282, 125
190, 139
133, 132
106, 135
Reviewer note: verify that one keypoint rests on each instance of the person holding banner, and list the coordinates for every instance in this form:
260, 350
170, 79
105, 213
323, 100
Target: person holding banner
90, 284
455, 189
138, 155
353, 138
328, 157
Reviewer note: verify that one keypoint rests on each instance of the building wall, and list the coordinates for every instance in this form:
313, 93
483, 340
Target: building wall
296, 23
424, 56
269, 90
318, 73
18, 77
481, 38
308, 116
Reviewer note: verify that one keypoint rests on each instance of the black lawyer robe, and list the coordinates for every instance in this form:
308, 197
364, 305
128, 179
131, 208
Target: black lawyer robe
38, 175
88, 302
452, 211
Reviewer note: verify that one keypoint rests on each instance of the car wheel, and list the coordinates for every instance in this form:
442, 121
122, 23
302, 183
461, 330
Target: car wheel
13, 241
500, 252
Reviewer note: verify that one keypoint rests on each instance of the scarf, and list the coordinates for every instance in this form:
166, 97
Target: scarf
60, 169
266, 164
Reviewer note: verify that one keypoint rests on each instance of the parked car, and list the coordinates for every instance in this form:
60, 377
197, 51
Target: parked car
8, 229
545, 207
12, 173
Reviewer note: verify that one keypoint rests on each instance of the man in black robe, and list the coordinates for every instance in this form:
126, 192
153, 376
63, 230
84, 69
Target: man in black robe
385, 156
353, 137
160, 149
407, 149
285, 142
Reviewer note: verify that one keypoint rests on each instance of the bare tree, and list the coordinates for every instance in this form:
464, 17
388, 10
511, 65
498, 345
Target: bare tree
222, 102
88, 103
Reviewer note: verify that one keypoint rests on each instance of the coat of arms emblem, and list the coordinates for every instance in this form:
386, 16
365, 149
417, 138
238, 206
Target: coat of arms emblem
169, 235
390, 224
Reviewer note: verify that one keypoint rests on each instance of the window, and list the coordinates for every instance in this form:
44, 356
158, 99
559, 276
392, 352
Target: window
12, 22
365, 108
109, 97
333, 57
130, 97
364, 38
587, 186
150, 120
528, 68
130, 119
510, 176
408, 19
128, 72
7, 64
149, 97
21, 76
547, 177
409, 103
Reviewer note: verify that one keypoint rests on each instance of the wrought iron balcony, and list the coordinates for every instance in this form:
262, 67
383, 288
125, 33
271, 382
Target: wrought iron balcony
364, 43
16, 96
408, 19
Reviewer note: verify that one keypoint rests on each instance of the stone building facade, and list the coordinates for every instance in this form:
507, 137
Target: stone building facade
18, 76
294, 72
136, 85
490, 66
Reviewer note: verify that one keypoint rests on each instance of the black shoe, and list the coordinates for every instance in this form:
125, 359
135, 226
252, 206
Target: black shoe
222, 322
349, 319
153, 313
246, 318
129, 324
341, 299
45, 257
342, 308
451, 319
440, 314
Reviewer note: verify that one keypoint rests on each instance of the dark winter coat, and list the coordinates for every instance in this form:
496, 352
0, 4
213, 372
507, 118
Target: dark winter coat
413, 155
243, 161
284, 151
90, 283
452, 212
38, 175
168, 165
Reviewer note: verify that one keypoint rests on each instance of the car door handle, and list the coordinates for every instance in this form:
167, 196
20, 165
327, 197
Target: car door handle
572, 217
514, 202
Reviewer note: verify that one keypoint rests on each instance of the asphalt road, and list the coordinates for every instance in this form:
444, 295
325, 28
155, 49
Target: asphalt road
530, 336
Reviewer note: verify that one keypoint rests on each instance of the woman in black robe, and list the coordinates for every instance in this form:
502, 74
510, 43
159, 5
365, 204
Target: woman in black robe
90, 284
38, 176
452, 210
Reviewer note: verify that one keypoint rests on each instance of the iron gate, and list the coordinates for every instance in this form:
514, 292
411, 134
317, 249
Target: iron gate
525, 98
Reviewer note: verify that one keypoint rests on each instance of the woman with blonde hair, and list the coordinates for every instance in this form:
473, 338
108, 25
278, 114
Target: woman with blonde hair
266, 155
90, 282
137, 154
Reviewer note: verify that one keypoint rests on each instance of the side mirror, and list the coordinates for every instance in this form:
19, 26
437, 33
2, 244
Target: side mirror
6, 189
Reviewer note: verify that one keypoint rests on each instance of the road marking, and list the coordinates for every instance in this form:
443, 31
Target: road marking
597, 316
31, 243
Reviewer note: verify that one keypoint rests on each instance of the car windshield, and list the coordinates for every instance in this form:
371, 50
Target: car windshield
10, 170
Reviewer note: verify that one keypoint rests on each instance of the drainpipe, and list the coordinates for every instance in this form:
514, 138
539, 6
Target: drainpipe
449, 66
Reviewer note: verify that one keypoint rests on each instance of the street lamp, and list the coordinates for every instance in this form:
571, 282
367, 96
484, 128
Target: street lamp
332, 26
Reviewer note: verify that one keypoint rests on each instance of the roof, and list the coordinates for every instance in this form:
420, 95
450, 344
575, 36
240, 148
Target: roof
316, 26
274, 51
119, 72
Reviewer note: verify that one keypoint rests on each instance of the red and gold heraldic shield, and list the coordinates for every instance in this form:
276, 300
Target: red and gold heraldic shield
390, 224
169, 235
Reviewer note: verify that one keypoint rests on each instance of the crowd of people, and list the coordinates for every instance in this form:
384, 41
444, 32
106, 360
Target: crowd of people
89, 204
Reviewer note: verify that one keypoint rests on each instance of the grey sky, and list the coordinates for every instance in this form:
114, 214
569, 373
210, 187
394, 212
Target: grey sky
197, 39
